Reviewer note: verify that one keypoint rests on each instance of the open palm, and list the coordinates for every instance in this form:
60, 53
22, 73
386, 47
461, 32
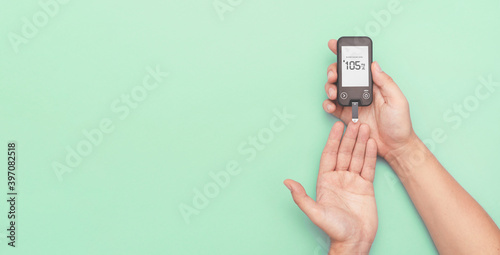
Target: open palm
348, 206
345, 202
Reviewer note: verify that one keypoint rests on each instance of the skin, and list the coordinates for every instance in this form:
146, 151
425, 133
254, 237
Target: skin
455, 221
345, 201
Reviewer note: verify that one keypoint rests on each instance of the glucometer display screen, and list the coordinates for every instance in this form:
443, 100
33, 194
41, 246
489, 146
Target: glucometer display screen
355, 66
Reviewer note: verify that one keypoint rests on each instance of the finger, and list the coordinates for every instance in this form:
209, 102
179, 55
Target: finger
329, 155
331, 91
368, 171
388, 88
333, 108
305, 202
329, 106
332, 44
346, 146
331, 73
358, 155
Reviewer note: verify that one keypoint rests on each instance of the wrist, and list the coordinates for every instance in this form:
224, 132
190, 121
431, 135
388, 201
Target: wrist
403, 150
407, 157
358, 248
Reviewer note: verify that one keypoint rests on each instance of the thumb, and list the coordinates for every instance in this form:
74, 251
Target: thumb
388, 88
305, 202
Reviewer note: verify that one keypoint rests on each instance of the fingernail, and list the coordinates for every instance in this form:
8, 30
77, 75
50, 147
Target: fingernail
377, 67
330, 74
330, 93
289, 187
329, 108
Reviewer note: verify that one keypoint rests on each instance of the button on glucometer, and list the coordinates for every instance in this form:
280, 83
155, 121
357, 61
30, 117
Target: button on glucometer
343, 95
366, 95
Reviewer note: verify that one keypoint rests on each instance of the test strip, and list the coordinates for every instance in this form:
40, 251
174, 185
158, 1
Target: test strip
354, 112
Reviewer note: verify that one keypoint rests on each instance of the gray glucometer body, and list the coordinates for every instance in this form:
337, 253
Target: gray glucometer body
354, 85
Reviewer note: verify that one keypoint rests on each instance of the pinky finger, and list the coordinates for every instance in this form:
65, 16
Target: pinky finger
329, 106
368, 171
332, 108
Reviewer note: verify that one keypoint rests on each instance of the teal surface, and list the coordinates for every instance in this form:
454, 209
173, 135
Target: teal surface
124, 112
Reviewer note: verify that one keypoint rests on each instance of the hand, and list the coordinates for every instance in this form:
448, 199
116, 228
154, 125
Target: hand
388, 116
345, 202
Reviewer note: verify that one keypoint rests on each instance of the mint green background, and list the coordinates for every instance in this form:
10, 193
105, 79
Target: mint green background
226, 77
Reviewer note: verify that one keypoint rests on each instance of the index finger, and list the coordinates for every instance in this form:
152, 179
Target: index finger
332, 44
